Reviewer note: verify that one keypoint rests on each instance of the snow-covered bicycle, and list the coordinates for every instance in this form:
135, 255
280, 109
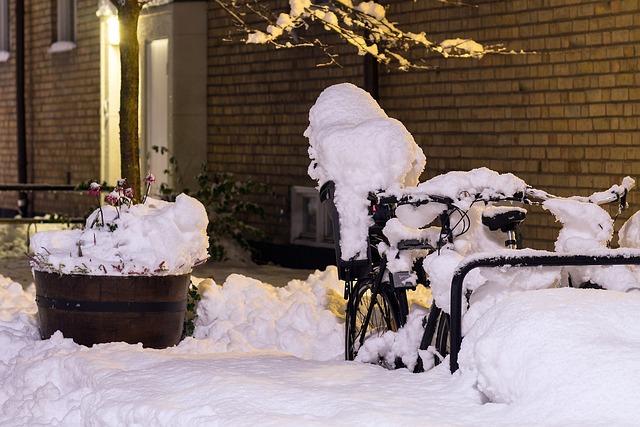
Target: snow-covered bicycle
476, 212
376, 286
385, 222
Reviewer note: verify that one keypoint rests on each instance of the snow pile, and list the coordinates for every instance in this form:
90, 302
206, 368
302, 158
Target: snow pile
15, 238
403, 260
566, 355
462, 48
386, 349
17, 309
585, 226
624, 278
357, 146
373, 9
156, 237
629, 234
245, 314
553, 357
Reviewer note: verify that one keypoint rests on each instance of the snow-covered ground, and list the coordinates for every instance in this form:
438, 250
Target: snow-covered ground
267, 355
273, 356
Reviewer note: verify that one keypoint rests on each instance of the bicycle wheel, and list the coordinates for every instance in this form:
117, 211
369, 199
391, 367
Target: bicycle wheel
443, 337
383, 314
436, 334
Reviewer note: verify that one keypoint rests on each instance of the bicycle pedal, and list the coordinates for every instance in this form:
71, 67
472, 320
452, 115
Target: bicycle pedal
403, 279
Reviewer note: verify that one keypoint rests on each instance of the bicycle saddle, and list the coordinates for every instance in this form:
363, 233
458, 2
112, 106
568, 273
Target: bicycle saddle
504, 218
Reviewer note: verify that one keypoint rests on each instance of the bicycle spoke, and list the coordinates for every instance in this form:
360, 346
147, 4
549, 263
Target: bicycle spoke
369, 314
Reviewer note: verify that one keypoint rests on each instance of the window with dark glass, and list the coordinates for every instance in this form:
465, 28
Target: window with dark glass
66, 21
4, 26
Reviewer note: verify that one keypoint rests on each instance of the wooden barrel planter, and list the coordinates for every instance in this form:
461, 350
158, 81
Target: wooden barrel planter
100, 309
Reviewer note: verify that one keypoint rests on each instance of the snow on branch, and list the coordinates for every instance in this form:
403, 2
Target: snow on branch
363, 25
140, 2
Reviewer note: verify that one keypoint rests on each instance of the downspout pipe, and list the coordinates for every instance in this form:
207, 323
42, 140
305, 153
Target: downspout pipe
371, 76
23, 200
370, 72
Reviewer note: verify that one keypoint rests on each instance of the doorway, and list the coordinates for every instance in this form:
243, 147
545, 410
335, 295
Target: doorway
110, 99
157, 121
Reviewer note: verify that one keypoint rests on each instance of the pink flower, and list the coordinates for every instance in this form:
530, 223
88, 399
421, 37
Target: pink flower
150, 178
94, 189
128, 192
121, 182
112, 198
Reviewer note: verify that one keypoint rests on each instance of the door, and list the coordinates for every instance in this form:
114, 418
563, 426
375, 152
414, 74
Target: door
157, 110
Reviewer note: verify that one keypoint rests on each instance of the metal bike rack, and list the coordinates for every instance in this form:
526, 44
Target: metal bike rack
531, 258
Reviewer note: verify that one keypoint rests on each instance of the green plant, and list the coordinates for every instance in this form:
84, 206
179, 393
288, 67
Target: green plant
226, 199
173, 171
190, 316
224, 196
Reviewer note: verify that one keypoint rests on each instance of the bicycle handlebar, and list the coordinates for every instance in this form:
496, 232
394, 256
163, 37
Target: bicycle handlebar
617, 192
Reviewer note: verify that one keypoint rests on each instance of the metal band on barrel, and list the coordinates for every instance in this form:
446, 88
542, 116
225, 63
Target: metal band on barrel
110, 306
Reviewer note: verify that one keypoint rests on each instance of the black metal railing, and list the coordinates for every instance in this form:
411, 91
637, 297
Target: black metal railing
531, 258
28, 188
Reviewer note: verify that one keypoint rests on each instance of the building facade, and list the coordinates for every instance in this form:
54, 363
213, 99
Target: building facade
563, 115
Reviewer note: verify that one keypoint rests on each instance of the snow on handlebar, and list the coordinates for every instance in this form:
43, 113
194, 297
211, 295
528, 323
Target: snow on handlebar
416, 196
617, 192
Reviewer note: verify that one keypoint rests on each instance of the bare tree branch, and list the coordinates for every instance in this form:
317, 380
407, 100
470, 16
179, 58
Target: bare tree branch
384, 40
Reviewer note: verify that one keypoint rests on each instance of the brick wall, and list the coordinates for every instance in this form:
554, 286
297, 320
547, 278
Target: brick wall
62, 107
564, 119
258, 104
8, 138
63, 110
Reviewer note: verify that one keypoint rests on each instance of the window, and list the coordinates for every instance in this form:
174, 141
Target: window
310, 223
4, 30
66, 21
65, 28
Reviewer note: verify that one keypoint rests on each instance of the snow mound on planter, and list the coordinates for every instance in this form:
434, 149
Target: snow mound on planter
357, 146
157, 238
543, 351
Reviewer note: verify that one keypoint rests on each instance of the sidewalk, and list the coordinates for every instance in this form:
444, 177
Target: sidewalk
19, 270
271, 274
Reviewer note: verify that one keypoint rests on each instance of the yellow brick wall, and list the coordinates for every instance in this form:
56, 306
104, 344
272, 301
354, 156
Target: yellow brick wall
564, 118
8, 144
258, 105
